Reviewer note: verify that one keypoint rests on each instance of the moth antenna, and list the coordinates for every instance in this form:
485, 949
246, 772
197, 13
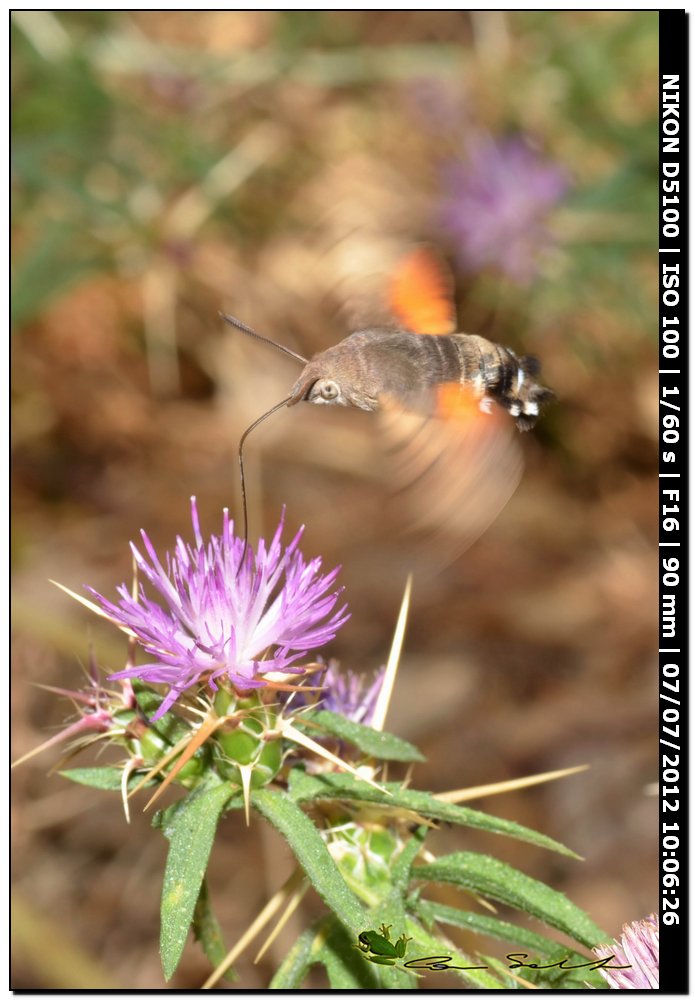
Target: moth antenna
277, 406
266, 340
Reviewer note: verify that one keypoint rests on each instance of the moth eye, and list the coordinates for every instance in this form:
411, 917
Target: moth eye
329, 390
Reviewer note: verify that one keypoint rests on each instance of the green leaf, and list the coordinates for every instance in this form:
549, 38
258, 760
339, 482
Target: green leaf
496, 880
308, 788
108, 779
492, 927
192, 832
165, 819
552, 978
312, 854
402, 868
299, 960
519, 937
384, 746
208, 932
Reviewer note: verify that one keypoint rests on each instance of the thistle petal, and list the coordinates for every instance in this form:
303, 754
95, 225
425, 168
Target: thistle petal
212, 620
637, 951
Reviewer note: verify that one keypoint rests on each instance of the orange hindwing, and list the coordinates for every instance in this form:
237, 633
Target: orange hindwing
421, 293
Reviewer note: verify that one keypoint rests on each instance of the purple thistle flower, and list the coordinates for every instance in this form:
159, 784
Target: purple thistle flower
222, 621
638, 951
496, 204
350, 694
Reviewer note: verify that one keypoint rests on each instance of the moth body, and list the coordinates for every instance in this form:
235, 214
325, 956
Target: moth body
454, 465
372, 364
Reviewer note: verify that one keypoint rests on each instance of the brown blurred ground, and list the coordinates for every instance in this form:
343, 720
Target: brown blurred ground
534, 651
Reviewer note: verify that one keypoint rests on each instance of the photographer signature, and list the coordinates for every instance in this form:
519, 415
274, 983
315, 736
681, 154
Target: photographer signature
516, 960
377, 947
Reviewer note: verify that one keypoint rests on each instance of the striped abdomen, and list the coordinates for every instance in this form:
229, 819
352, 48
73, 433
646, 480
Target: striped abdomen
495, 372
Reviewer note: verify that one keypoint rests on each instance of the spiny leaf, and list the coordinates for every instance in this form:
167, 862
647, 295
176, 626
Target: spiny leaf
208, 932
383, 746
192, 832
402, 866
502, 930
486, 876
312, 854
108, 779
298, 961
308, 788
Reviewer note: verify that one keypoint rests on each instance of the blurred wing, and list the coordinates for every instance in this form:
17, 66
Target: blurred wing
421, 293
454, 466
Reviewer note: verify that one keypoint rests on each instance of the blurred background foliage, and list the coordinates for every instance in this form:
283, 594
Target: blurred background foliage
274, 164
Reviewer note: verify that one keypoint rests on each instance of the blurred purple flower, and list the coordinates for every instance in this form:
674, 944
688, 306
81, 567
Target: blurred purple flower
220, 621
496, 202
637, 949
350, 694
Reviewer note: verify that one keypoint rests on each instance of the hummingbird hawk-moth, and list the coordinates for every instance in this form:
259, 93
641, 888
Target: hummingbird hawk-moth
447, 401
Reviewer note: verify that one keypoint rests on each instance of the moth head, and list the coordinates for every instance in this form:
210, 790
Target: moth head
312, 387
326, 390
343, 375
